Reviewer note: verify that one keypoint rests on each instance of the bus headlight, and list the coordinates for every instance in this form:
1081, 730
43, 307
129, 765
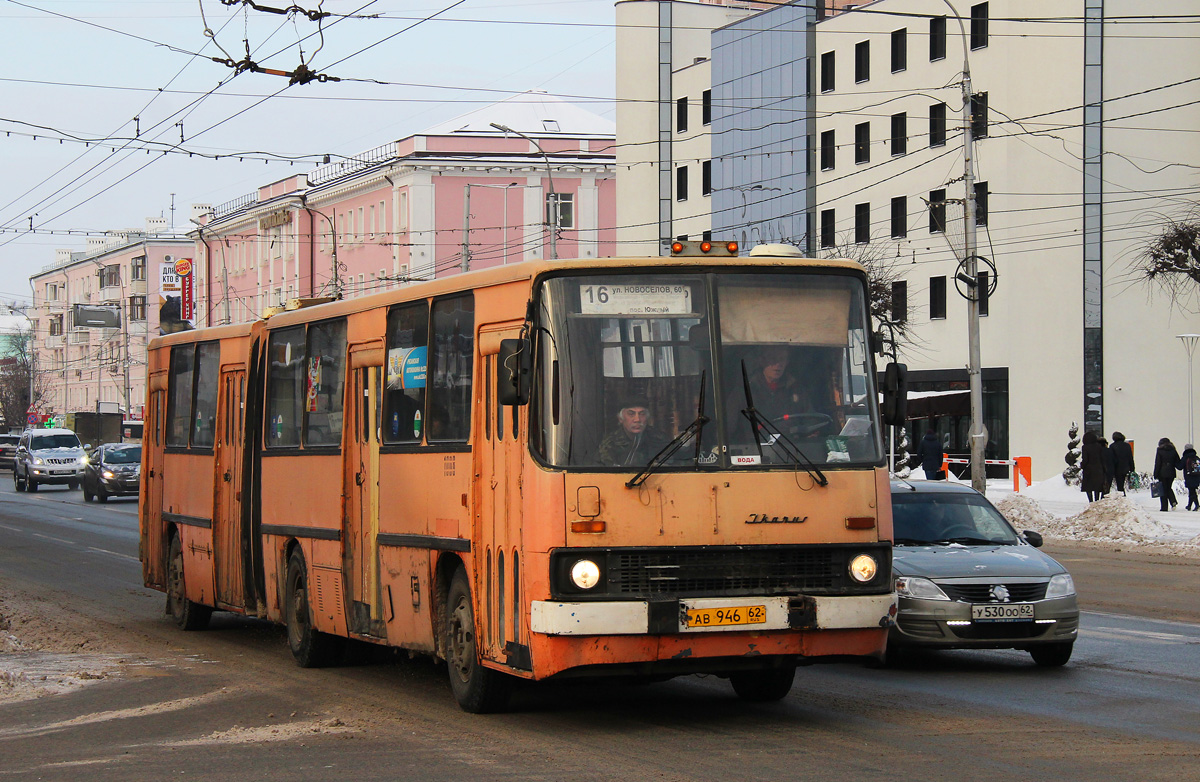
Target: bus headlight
863, 568
585, 574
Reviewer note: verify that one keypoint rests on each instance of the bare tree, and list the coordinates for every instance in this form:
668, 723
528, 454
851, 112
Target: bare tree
14, 380
1172, 259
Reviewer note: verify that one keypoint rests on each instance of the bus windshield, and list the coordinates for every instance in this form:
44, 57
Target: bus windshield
754, 370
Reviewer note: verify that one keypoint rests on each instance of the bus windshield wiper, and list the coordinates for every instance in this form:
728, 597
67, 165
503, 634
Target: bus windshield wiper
691, 430
778, 439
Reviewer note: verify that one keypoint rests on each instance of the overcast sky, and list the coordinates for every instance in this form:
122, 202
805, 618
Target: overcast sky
80, 71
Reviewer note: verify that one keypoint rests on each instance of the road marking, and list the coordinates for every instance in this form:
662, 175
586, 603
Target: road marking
1121, 634
1135, 618
51, 537
115, 554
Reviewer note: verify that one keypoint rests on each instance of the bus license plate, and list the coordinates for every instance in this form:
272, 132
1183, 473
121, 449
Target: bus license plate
729, 615
1002, 612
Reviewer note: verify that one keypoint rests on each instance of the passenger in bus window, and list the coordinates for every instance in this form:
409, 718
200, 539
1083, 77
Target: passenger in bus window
634, 441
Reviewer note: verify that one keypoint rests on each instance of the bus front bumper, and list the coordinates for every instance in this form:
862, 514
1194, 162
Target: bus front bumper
707, 615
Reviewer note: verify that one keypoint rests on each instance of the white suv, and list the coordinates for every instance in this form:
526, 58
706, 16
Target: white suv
48, 456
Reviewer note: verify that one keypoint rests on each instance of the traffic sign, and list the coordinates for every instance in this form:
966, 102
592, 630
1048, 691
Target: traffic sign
33, 418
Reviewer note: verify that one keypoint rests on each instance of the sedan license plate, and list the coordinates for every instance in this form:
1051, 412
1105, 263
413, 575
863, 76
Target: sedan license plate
729, 615
1002, 612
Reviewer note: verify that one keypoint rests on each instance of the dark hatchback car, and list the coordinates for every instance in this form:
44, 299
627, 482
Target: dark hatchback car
112, 470
965, 579
8, 449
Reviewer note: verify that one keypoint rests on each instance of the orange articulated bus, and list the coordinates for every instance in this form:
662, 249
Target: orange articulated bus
616, 467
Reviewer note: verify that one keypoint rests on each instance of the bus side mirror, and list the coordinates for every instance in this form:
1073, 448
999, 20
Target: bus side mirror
895, 394
515, 364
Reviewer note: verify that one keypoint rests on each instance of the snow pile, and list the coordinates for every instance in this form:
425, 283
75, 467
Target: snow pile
1023, 512
1113, 519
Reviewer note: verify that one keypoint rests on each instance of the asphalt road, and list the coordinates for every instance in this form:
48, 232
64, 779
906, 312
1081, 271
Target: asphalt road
229, 703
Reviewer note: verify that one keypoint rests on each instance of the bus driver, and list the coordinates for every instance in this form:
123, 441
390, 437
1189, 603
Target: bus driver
634, 441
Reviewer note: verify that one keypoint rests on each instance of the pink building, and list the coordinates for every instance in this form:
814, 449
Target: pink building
475, 192
117, 284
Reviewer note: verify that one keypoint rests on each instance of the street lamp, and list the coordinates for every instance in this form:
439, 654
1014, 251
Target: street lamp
1189, 344
553, 197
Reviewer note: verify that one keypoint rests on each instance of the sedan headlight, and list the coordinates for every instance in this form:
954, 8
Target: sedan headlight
923, 588
863, 568
1060, 586
108, 474
37, 460
83, 460
585, 574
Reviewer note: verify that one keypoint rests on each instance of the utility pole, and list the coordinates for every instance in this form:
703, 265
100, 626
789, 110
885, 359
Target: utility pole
551, 197
465, 266
978, 434
225, 283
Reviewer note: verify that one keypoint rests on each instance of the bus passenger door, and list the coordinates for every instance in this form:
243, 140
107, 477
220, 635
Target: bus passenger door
361, 525
227, 520
154, 555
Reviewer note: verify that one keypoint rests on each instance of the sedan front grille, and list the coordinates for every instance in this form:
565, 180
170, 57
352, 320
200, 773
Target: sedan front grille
982, 593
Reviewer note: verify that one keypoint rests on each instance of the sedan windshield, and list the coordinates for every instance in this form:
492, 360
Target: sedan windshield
761, 370
130, 455
922, 519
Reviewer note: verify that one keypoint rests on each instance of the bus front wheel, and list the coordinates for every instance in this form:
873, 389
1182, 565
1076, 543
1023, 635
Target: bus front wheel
477, 689
310, 647
771, 684
186, 614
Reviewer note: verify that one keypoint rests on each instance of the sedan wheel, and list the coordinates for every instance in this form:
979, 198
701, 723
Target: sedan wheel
1052, 655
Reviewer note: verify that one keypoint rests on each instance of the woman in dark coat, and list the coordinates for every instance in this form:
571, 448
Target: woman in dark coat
1107, 459
1166, 462
1092, 477
1122, 458
1191, 475
930, 451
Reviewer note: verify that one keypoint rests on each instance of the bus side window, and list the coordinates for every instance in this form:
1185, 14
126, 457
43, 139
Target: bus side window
451, 369
208, 359
179, 403
285, 387
404, 391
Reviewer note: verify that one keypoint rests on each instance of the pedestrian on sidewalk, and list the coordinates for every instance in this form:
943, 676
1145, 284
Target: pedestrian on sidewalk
932, 456
1166, 462
1191, 475
1092, 467
1107, 459
1122, 459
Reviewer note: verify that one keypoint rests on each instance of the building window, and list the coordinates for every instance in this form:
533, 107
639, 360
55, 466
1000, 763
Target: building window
52, 291
137, 307
937, 298
937, 125
899, 50
979, 26
862, 223
827, 239
56, 325
937, 211
681, 112
827, 149
827, 69
900, 133
862, 62
899, 301
979, 115
137, 268
981, 292
706, 107
981, 203
681, 183
937, 38
706, 178
110, 276
862, 142
566, 210
899, 217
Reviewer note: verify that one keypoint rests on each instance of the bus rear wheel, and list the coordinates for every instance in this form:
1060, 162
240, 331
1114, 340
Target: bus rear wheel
771, 684
186, 614
310, 647
477, 689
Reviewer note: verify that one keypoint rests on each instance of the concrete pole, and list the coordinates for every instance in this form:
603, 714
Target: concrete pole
978, 434
1189, 344
465, 265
